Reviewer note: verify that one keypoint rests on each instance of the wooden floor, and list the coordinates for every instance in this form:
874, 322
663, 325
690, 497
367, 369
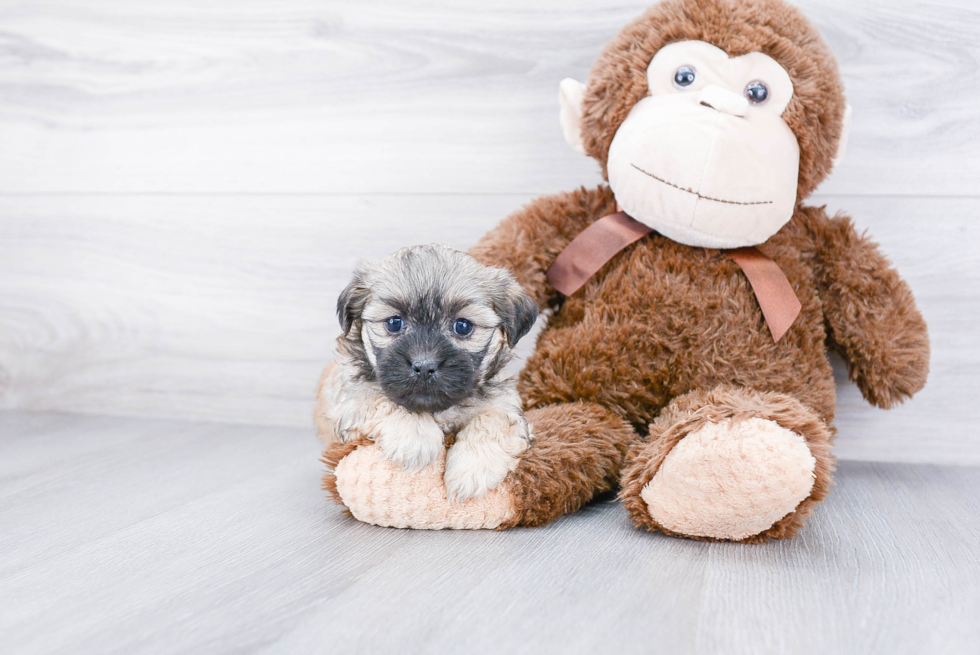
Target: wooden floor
134, 535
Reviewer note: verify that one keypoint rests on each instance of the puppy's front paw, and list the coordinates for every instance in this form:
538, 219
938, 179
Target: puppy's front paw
411, 440
473, 470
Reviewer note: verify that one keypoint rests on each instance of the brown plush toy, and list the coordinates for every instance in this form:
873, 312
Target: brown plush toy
658, 372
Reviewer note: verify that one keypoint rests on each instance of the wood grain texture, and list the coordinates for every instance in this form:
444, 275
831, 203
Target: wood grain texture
391, 96
222, 308
184, 188
132, 535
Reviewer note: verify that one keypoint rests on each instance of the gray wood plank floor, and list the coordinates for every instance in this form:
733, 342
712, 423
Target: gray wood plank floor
121, 535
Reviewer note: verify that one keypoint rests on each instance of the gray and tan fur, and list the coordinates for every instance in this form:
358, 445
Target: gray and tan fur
406, 389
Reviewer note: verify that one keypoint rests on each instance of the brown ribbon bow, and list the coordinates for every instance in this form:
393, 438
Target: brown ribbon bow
598, 243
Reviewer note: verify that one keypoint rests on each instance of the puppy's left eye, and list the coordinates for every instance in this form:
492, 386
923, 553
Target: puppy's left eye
462, 327
394, 324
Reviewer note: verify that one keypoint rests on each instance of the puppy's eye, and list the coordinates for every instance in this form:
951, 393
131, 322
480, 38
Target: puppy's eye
394, 325
462, 327
757, 92
684, 77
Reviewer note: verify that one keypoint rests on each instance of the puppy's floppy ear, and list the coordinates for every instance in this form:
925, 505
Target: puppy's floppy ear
352, 300
516, 309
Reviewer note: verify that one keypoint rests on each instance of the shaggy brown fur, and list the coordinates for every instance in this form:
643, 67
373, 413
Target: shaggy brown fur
686, 414
662, 320
578, 452
666, 337
662, 324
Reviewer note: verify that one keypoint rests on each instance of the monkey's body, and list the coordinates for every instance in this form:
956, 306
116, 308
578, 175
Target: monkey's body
650, 325
666, 331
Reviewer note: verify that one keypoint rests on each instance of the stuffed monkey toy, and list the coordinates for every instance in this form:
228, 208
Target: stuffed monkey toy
693, 294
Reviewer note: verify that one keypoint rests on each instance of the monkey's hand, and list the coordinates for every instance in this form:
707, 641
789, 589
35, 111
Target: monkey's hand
486, 450
871, 314
888, 358
411, 440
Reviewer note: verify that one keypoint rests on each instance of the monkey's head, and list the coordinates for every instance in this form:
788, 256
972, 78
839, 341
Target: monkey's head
711, 119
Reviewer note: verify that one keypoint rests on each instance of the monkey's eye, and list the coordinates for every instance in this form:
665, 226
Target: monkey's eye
684, 77
757, 92
394, 324
462, 327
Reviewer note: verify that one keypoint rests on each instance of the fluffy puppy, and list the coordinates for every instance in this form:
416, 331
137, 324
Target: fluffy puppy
427, 333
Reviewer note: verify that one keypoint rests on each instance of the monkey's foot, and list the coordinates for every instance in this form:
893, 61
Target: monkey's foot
731, 464
730, 480
378, 491
577, 453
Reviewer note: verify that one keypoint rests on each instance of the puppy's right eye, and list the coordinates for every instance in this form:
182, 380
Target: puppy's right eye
462, 327
394, 325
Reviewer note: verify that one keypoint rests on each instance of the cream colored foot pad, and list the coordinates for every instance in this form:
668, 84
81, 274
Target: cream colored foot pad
731, 480
377, 491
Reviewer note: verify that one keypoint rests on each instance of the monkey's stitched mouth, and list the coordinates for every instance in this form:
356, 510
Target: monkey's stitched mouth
695, 193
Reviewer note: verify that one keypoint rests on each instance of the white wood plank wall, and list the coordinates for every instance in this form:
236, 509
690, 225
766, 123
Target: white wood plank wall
184, 186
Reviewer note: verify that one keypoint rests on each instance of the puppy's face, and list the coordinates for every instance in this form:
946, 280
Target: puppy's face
433, 324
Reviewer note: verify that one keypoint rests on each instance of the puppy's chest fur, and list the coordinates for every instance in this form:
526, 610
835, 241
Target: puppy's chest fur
490, 428
458, 416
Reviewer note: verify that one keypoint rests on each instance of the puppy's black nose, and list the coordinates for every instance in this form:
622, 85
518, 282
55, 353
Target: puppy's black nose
425, 368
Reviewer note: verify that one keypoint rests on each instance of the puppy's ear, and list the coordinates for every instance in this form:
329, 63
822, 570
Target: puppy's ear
351, 302
516, 309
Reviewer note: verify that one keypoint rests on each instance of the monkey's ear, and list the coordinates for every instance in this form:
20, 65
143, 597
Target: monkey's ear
845, 130
516, 309
570, 95
351, 302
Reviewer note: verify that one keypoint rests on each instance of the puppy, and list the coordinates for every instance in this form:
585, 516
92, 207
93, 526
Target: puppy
426, 335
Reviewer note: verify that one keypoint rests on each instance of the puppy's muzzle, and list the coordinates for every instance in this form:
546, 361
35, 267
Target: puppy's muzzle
424, 372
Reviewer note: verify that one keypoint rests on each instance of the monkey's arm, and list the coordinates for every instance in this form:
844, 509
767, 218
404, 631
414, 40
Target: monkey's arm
871, 315
529, 240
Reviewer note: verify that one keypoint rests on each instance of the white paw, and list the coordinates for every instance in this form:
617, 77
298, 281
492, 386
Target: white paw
411, 440
473, 470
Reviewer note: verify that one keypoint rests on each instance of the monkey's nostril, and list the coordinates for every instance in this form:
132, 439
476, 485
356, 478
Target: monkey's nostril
724, 101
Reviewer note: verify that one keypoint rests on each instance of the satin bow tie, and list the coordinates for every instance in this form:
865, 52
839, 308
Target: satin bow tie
598, 243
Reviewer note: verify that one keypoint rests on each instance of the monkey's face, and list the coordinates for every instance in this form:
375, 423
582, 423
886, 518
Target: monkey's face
706, 158
712, 118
